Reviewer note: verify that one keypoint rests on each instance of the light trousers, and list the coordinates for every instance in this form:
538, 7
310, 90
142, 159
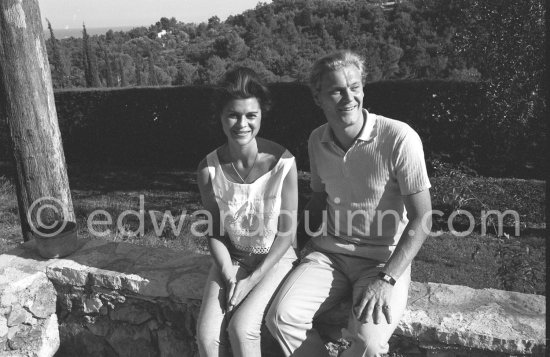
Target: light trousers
218, 333
318, 284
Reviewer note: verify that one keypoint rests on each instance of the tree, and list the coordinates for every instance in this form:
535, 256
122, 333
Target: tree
166, 24
59, 73
213, 70
213, 22
121, 73
390, 56
152, 75
27, 101
90, 61
108, 69
504, 41
232, 46
137, 70
187, 74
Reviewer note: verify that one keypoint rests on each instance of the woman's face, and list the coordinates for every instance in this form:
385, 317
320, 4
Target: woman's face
241, 119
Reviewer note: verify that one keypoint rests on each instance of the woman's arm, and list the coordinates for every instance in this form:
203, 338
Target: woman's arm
218, 249
282, 242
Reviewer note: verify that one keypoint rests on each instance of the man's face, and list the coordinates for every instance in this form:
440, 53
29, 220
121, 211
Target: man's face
341, 97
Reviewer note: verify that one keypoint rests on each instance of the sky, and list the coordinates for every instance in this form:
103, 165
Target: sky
70, 14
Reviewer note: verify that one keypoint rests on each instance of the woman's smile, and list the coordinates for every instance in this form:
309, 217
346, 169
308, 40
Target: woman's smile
241, 119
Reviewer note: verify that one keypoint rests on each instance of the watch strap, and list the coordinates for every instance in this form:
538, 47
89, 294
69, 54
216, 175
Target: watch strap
387, 278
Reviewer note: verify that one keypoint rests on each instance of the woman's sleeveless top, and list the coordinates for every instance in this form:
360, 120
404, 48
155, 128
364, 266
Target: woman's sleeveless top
249, 212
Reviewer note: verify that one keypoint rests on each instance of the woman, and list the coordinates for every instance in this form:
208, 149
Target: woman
249, 185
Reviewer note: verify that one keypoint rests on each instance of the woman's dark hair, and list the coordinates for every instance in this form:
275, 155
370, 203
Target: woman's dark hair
241, 83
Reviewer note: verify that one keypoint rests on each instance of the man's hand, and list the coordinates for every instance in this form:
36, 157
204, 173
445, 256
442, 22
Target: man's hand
374, 301
240, 292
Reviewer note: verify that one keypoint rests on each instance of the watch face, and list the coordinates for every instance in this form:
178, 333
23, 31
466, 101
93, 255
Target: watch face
386, 278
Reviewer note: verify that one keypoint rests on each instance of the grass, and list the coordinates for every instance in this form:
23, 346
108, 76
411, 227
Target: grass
513, 263
475, 261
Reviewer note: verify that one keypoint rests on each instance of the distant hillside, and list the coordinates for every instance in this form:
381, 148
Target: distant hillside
498, 42
77, 32
411, 39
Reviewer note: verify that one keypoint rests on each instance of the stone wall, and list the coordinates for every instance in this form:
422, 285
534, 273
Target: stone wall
118, 299
28, 322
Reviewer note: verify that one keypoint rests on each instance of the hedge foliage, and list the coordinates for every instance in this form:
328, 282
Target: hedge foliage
173, 127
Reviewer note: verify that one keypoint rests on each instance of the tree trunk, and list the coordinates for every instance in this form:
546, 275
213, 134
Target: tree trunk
26, 98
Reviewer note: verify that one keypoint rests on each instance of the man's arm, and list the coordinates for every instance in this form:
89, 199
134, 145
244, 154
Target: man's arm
419, 208
378, 293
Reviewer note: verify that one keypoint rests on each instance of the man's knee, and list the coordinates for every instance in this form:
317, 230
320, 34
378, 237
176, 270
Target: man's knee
375, 349
366, 349
365, 344
280, 314
271, 320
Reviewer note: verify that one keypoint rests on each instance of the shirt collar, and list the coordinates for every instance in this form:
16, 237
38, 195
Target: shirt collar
367, 133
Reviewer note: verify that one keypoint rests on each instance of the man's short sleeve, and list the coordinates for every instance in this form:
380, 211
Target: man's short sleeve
312, 146
410, 166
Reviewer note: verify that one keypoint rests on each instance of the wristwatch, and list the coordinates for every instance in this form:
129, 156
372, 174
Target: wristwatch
388, 279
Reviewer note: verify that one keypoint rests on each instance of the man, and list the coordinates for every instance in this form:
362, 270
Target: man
369, 173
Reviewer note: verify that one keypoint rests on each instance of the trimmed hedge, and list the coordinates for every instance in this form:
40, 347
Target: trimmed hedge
173, 127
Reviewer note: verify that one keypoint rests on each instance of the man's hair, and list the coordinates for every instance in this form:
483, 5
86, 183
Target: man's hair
241, 83
332, 62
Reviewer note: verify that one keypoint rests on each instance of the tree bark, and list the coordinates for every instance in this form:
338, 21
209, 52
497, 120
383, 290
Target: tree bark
27, 101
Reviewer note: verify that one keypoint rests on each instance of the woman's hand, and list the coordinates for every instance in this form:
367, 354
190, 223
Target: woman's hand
230, 283
241, 291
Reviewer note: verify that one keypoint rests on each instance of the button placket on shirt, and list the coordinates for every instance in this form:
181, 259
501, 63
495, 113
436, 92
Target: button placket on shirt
345, 158
344, 168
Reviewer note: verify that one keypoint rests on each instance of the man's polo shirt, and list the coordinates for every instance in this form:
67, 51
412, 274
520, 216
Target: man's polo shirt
365, 185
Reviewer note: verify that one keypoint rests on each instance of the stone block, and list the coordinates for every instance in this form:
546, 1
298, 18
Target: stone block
68, 272
13, 282
42, 299
50, 340
132, 341
155, 283
101, 327
91, 304
13, 330
486, 319
40, 339
171, 346
24, 338
3, 327
78, 341
131, 313
133, 282
145, 302
17, 315
106, 279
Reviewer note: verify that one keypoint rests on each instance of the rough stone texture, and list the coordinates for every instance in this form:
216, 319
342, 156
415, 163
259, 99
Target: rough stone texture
488, 319
28, 323
3, 327
117, 299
